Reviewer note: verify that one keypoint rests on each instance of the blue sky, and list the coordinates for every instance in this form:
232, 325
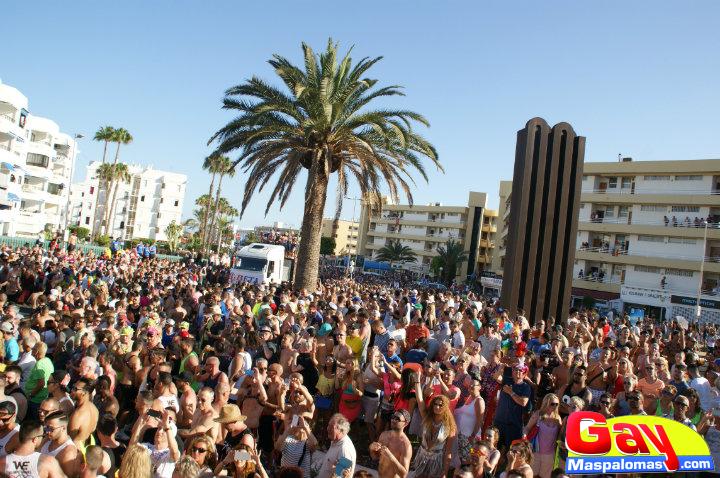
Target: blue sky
638, 78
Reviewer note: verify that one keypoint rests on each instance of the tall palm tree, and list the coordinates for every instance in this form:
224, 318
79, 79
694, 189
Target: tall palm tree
321, 124
173, 231
451, 255
211, 164
396, 252
225, 214
105, 174
225, 168
120, 136
120, 173
105, 134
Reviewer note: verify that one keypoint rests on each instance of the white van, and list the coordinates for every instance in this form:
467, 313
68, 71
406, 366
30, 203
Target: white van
259, 264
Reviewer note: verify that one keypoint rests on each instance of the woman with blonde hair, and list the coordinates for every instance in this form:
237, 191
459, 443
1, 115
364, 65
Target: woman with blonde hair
136, 462
439, 433
544, 428
202, 450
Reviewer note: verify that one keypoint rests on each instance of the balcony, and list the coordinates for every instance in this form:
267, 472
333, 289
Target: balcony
690, 196
692, 229
650, 259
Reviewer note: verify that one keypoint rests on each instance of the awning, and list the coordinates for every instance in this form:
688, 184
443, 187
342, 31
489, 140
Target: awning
8, 166
13, 197
595, 294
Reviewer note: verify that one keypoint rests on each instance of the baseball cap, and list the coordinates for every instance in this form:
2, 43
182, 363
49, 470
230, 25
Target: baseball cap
7, 327
184, 325
170, 322
265, 328
324, 330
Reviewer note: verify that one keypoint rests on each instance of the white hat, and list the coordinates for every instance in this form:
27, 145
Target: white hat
7, 327
170, 322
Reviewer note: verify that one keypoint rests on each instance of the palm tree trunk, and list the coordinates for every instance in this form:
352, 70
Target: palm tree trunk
97, 202
216, 206
111, 208
220, 237
204, 232
108, 205
105, 151
117, 153
308, 258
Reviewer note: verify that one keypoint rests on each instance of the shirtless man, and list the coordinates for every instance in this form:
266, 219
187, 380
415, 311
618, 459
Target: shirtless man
393, 448
164, 396
188, 400
222, 396
59, 445
342, 351
204, 418
288, 354
25, 461
253, 395
211, 376
84, 419
599, 374
562, 371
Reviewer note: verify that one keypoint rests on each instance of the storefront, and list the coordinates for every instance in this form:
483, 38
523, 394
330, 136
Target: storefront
639, 302
685, 306
491, 286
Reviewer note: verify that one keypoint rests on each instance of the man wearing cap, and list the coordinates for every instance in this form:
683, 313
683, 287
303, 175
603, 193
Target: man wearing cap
514, 397
393, 448
9, 439
168, 333
12, 349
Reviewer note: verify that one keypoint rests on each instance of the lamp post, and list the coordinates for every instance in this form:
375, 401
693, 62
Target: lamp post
351, 268
698, 310
76, 137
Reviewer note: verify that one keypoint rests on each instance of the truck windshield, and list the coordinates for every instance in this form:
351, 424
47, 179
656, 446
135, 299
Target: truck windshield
252, 264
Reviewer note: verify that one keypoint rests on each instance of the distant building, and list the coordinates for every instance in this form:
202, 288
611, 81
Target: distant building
36, 162
345, 234
425, 227
144, 207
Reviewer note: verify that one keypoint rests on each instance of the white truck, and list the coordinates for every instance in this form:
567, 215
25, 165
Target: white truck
259, 264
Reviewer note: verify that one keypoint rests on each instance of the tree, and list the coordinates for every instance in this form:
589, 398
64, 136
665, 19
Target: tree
212, 164
105, 134
396, 252
225, 168
451, 255
120, 136
173, 231
119, 173
327, 246
321, 125
82, 233
105, 174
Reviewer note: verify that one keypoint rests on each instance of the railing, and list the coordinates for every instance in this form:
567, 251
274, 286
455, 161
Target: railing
31, 189
641, 191
615, 281
621, 252
679, 223
8, 116
5, 147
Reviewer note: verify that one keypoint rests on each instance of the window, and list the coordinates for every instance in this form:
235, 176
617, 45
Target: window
609, 211
656, 178
648, 269
642, 238
82, 195
623, 211
681, 240
177, 203
161, 200
142, 198
87, 220
689, 177
122, 224
686, 209
612, 182
679, 272
653, 208
626, 183
34, 159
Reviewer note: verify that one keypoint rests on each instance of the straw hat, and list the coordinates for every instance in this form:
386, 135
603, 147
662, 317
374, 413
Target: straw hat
230, 414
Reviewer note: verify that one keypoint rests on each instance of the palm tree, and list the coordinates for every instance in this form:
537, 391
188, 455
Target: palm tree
394, 251
212, 164
106, 134
225, 168
321, 124
173, 231
120, 136
450, 256
120, 173
105, 177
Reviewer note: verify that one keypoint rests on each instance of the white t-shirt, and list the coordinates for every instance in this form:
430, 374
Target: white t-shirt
162, 464
341, 448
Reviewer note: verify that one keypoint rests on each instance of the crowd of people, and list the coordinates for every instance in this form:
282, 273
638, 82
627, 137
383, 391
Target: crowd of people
137, 367
288, 239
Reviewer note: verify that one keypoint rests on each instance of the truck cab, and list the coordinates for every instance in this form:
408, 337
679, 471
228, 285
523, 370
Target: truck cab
259, 264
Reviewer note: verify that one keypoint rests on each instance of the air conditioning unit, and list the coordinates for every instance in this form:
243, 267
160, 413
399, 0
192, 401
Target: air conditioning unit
627, 159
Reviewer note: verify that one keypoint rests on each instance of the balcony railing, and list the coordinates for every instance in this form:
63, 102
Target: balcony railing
6, 147
636, 192
8, 116
32, 189
696, 222
618, 251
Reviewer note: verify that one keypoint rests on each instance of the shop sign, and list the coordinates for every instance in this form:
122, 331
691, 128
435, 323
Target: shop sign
644, 296
491, 282
692, 302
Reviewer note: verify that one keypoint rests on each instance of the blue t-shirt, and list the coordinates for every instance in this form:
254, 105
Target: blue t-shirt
507, 410
12, 350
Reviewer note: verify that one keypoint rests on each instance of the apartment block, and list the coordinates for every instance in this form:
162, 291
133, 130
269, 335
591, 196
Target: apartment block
144, 206
425, 227
36, 163
648, 239
345, 234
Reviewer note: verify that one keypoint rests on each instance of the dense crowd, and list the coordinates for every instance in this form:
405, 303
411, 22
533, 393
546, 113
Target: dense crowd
133, 366
288, 239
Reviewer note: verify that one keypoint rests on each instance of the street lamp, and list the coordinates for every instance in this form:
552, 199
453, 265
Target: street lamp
77, 137
352, 224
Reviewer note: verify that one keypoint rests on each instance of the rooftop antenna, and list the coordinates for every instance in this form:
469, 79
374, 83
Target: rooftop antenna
619, 157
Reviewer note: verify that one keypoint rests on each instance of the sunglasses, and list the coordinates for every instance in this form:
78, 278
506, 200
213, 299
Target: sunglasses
682, 404
555, 404
634, 399
397, 419
605, 402
199, 450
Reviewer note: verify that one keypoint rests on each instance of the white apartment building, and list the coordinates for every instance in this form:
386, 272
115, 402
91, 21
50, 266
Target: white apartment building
423, 228
36, 163
144, 207
642, 244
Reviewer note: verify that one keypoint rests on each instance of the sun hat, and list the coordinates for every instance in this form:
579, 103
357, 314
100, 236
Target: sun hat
230, 414
7, 327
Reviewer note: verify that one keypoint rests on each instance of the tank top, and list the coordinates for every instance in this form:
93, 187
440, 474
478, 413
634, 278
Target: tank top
170, 401
4, 440
325, 386
195, 385
17, 466
465, 418
547, 437
45, 449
